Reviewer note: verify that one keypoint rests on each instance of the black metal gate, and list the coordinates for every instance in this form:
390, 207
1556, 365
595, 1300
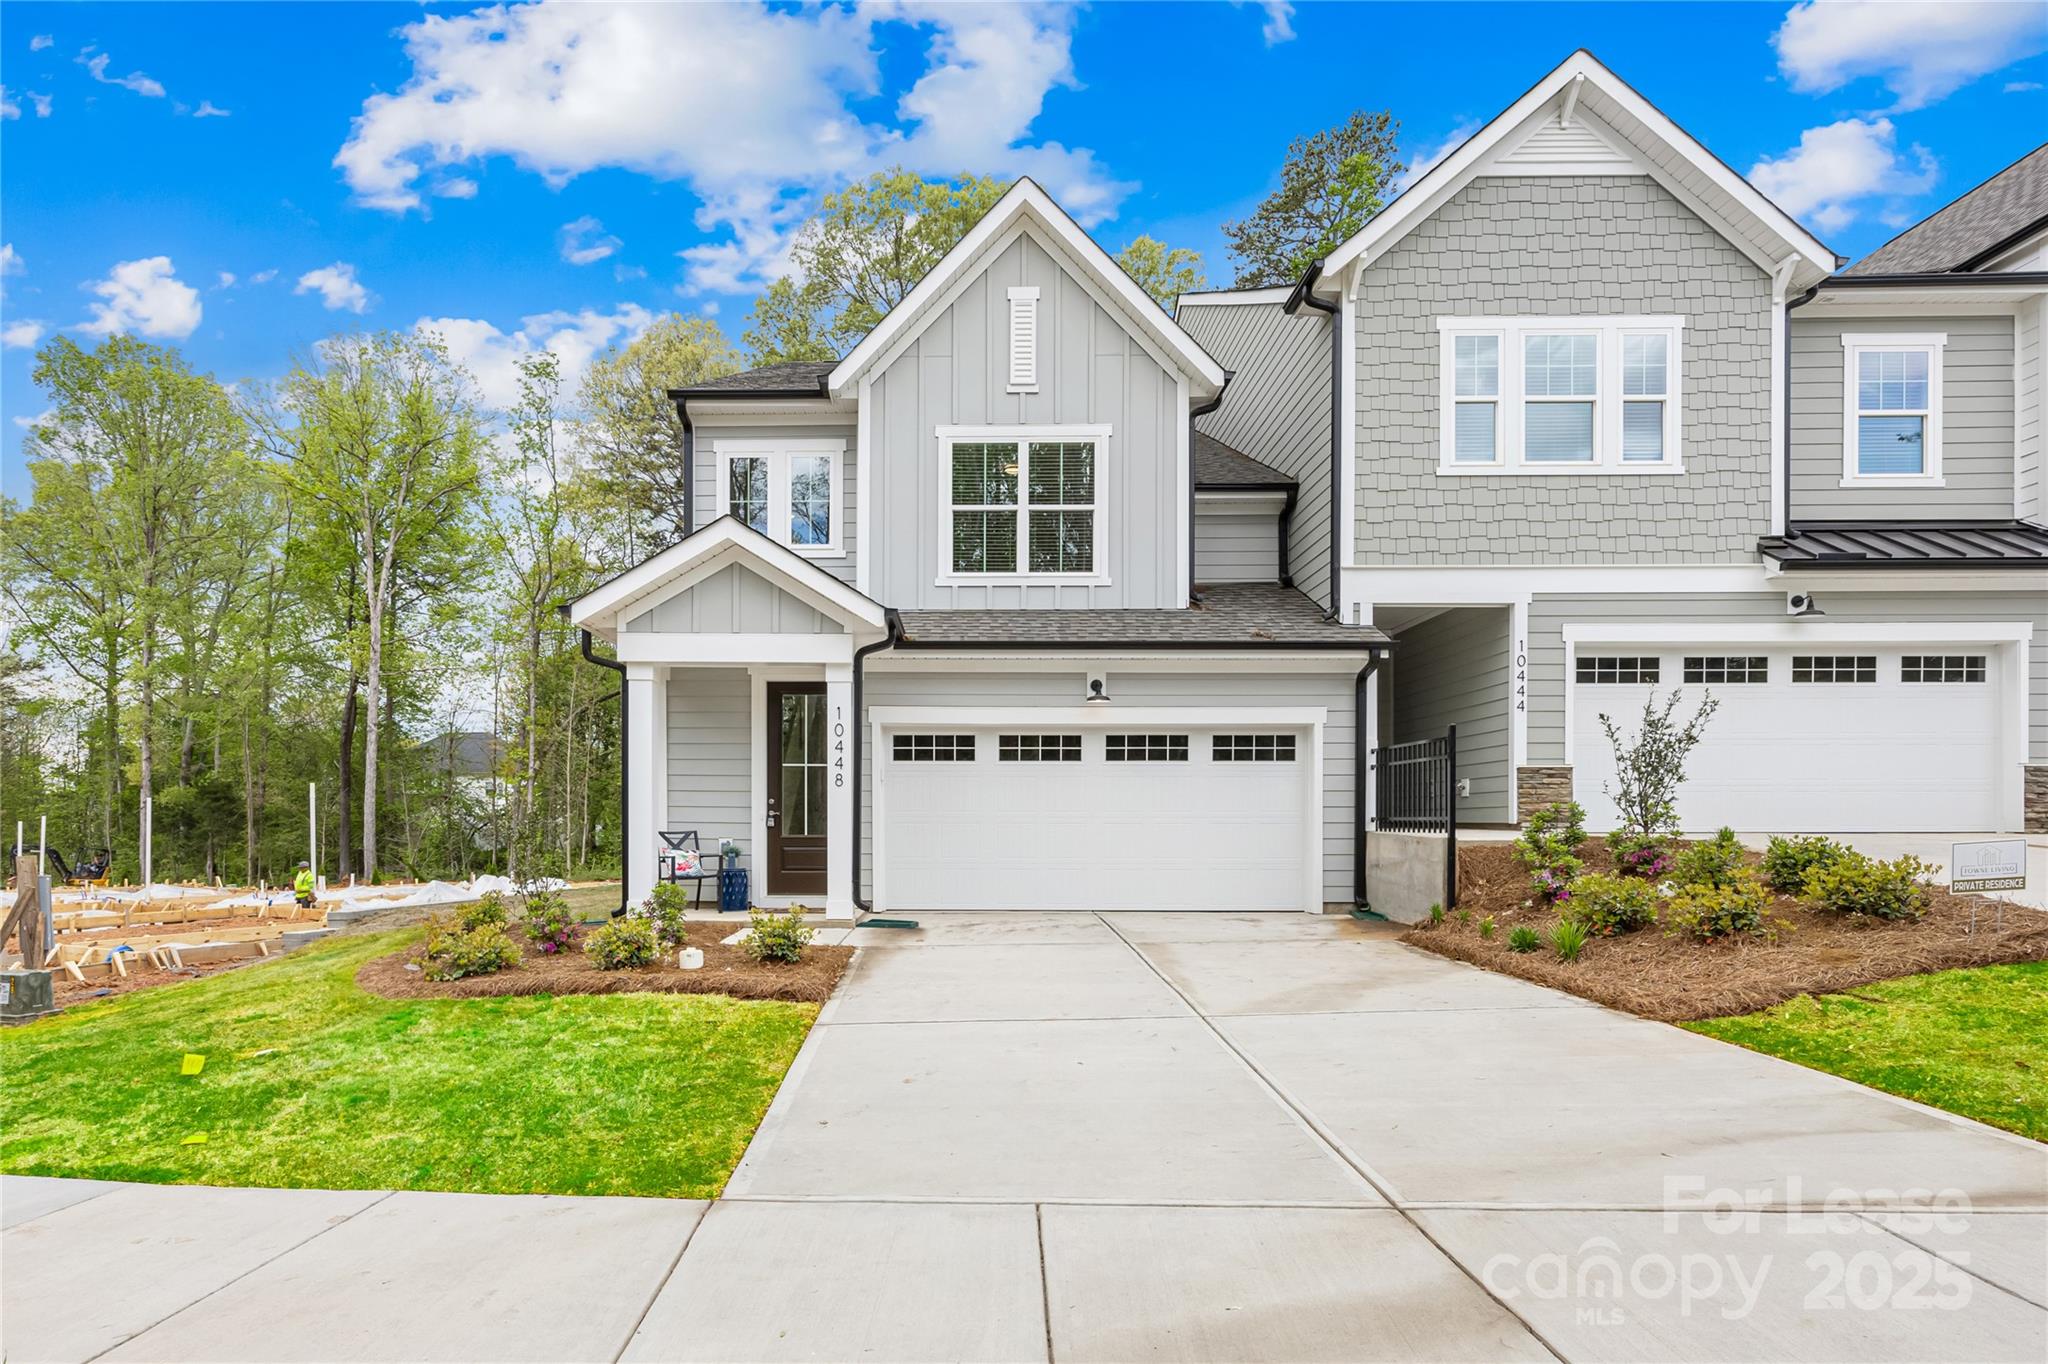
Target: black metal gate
1415, 790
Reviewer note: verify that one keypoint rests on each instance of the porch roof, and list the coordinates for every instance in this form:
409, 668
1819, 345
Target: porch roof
1908, 544
1219, 466
1238, 616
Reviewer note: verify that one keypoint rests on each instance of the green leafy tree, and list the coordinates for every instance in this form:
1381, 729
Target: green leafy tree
1165, 272
858, 256
1331, 183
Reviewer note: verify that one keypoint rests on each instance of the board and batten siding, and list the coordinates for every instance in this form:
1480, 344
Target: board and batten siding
710, 755
1549, 614
1976, 422
1277, 410
1452, 669
1091, 371
733, 601
1563, 246
1331, 690
708, 491
1237, 546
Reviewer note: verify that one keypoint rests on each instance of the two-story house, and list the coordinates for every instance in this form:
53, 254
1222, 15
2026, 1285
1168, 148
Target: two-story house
1041, 598
1610, 425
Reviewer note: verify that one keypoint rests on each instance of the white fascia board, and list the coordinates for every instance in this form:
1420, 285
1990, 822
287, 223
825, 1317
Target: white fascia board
1451, 174
760, 411
1052, 660
740, 650
1110, 716
1226, 298
1958, 579
1806, 630
1026, 202
727, 540
1505, 584
1208, 503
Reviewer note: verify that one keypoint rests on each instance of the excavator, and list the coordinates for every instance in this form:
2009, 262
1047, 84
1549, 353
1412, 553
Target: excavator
92, 868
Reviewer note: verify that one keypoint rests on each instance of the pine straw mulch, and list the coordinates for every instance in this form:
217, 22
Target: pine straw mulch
1676, 979
726, 971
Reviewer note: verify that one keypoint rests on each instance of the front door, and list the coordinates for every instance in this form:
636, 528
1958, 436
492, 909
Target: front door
798, 759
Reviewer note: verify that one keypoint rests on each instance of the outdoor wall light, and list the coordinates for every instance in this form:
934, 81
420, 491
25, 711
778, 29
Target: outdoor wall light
1802, 604
1096, 695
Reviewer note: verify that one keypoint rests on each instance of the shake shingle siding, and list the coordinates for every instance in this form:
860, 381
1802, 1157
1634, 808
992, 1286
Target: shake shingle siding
1564, 246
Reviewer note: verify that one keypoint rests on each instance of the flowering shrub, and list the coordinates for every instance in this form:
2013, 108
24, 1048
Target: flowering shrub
488, 911
1643, 856
1721, 909
1607, 905
1555, 885
549, 925
663, 912
1855, 884
622, 943
453, 951
1548, 846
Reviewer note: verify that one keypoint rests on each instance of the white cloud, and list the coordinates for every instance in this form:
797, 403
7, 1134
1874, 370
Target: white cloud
585, 242
492, 356
1835, 167
11, 262
227, 280
42, 418
10, 102
626, 274
2021, 87
1921, 49
144, 297
337, 286
208, 109
8, 107
96, 62
752, 106
1279, 25
1421, 163
455, 187
21, 334
41, 41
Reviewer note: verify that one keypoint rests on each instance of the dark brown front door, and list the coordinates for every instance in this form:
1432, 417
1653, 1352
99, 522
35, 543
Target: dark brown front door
798, 761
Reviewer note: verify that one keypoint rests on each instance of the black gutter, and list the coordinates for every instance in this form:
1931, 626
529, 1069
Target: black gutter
1785, 414
625, 732
1361, 778
1304, 292
689, 460
1939, 279
1204, 410
860, 729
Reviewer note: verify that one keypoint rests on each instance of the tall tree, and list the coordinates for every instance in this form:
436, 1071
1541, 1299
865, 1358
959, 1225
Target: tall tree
865, 249
1330, 184
1165, 272
380, 441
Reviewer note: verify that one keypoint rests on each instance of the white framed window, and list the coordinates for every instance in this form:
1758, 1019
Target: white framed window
1024, 504
1891, 409
1560, 395
786, 489
1024, 339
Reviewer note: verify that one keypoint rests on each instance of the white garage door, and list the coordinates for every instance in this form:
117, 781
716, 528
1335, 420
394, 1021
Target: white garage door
1086, 819
1855, 739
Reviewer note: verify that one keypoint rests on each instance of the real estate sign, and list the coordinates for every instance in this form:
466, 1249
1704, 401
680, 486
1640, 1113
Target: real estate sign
1989, 864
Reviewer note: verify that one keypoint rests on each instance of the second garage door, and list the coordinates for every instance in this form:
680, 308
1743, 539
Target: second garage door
1084, 819
1853, 739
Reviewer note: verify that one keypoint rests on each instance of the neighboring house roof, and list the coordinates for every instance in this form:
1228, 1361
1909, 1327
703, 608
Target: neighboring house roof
1909, 544
1024, 206
1247, 615
2008, 207
1640, 132
468, 753
1219, 466
789, 378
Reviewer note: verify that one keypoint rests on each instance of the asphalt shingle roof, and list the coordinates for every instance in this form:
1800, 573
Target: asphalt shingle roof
1905, 544
1219, 466
788, 376
2003, 207
1238, 615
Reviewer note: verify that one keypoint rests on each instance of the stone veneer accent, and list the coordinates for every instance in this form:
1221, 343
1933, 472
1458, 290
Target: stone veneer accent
1536, 787
2036, 799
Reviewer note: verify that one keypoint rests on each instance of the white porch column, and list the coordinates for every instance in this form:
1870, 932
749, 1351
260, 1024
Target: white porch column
840, 795
643, 727
658, 750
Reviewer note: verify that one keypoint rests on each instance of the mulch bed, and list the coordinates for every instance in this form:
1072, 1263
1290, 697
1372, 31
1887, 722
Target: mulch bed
726, 971
1675, 978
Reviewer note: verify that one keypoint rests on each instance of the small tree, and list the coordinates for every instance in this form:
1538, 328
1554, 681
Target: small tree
1649, 769
1165, 272
1330, 184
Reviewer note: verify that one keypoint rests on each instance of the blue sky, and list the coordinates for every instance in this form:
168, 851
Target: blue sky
244, 179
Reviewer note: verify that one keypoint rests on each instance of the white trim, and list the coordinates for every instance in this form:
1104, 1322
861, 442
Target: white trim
1234, 500
1224, 298
1854, 344
1183, 495
772, 412
660, 773
1347, 421
863, 465
1961, 578
1518, 702
777, 452
1102, 437
713, 650
1023, 338
723, 540
1025, 203
1781, 323
1051, 660
637, 702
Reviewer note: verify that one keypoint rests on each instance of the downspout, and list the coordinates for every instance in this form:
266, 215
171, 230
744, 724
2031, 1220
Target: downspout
1287, 529
1305, 291
689, 464
1361, 778
860, 729
1785, 433
1204, 410
625, 739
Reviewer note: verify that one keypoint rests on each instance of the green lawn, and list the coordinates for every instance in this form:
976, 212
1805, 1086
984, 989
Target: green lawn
309, 1082
1973, 1042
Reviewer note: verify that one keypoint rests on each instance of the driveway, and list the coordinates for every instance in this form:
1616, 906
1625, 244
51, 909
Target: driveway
1119, 1137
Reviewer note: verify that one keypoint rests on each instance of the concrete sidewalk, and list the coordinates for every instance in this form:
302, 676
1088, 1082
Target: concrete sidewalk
1114, 1137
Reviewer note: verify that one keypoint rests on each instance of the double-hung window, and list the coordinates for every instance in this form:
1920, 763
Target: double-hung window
1024, 503
1560, 395
1891, 409
786, 489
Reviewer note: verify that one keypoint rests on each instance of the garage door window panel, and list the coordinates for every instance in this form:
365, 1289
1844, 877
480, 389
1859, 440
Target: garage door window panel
1038, 748
1830, 668
934, 748
1726, 669
1619, 670
1252, 748
1942, 668
1145, 748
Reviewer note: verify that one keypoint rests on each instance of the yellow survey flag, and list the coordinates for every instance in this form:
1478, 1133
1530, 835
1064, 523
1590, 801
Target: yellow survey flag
196, 1139
193, 1064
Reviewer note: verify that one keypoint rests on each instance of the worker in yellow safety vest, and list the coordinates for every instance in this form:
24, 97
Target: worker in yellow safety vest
302, 885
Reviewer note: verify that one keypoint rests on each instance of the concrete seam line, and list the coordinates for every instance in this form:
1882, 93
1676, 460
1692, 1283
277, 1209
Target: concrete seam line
331, 1225
1932, 1253
1064, 1018
1044, 1281
1347, 1157
661, 1284
777, 1116
101, 1193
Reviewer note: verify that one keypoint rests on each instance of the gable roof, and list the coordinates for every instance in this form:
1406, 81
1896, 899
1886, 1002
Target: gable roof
1701, 180
1219, 466
704, 552
2008, 207
785, 379
1026, 206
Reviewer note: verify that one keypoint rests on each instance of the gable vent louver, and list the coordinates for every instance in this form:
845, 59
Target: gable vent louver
1023, 339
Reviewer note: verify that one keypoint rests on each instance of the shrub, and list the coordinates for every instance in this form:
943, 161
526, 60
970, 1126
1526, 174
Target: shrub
1568, 939
1554, 884
488, 910
1855, 884
1643, 856
1720, 909
1787, 860
454, 951
1711, 863
1486, 927
548, 923
1608, 905
1522, 938
1552, 836
1649, 769
621, 943
663, 911
778, 937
